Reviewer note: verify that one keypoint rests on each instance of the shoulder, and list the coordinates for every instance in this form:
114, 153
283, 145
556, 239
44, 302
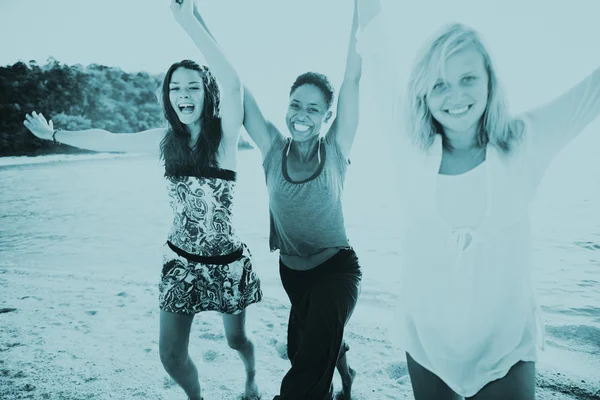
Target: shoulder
517, 125
331, 143
159, 133
275, 150
162, 130
274, 133
275, 139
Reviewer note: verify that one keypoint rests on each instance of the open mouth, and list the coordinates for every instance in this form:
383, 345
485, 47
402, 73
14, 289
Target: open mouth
186, 108
301, 127
458, 111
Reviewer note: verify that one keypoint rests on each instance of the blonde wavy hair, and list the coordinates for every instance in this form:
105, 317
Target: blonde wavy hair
496, 125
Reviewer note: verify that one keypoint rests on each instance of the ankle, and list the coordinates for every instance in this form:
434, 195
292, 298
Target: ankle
251, 375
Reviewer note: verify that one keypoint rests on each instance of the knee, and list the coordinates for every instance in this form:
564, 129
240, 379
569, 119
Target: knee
172, 357
238, 342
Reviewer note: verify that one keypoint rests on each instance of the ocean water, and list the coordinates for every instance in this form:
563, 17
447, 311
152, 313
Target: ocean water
108, 216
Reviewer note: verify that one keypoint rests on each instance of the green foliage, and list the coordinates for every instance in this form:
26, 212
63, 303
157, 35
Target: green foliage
75, 98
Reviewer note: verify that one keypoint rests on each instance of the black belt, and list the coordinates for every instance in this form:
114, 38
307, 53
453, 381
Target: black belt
221, 260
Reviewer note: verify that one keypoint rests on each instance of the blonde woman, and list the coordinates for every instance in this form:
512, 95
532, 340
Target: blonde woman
468, 317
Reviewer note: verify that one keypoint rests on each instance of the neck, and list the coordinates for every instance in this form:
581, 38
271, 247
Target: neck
195, 129
305, 150
460, 141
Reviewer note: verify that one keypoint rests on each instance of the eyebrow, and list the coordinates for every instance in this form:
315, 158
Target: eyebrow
177, 83
310, 104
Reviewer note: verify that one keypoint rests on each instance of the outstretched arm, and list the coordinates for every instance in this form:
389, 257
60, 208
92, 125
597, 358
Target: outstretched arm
261, 131
232, 111
97, 139
345, 125
553, 125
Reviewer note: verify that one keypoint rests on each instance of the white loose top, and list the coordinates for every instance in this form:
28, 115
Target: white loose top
467, 308
462, 199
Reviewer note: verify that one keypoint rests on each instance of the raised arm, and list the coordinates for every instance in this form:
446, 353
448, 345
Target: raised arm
553, 125
97, 139
381, 72
232, 111
345, 124
261, 131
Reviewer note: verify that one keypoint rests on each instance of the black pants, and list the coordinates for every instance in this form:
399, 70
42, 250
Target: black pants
323, 300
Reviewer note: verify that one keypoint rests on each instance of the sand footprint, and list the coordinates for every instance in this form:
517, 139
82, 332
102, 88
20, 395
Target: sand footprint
397, 370
212, 336
169, 383
280, 348
267, 323
210, 355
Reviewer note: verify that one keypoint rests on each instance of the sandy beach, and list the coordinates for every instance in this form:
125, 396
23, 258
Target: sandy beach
76, 335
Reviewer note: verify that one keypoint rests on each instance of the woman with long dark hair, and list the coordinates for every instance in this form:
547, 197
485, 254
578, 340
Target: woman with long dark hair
206, 267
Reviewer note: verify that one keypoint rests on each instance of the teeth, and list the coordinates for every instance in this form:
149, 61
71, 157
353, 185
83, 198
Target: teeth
186, 107
301, 127
455, 111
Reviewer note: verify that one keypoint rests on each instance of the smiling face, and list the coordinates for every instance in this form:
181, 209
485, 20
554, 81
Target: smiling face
307, 112
459, 96
186, 95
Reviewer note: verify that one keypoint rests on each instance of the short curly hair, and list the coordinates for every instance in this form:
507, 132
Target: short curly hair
319, 80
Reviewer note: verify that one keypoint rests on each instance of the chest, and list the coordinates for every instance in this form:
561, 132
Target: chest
299, 171
461, 200
461, 162
494, 194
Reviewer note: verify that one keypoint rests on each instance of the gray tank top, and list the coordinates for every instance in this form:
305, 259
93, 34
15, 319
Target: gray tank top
306, 217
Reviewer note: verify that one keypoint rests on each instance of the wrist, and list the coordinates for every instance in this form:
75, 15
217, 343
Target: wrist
188, 22
54, 136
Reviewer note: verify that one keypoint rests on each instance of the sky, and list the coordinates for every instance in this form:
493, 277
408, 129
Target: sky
541, 47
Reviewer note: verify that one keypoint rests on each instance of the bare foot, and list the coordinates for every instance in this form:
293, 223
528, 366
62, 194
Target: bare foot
346, 393
252, 392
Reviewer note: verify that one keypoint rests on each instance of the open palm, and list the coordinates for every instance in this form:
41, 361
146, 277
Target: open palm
183, 10
37, 124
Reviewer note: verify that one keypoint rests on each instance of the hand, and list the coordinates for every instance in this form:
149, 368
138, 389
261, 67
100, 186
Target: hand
38, 125
367, 10
183, 11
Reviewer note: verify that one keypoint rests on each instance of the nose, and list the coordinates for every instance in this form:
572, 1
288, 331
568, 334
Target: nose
456, 96
301, 116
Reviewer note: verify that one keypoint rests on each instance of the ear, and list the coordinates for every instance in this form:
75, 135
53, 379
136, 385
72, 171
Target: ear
328, 116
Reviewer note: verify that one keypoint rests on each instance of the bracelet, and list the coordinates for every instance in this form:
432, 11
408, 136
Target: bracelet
54, 136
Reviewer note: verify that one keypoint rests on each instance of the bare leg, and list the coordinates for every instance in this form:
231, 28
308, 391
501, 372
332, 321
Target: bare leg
518, 384
347, 374
426, 385
235, 331
173, 347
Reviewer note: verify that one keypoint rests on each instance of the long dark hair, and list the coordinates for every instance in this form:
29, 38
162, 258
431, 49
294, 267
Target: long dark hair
174, 149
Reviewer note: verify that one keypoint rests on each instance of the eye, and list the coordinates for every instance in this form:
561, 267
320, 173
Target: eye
313, 110
173, 88
294, 106
439, 86
469, 78
195, 88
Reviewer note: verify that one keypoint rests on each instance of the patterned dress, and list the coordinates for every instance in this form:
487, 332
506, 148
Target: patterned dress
205, 265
